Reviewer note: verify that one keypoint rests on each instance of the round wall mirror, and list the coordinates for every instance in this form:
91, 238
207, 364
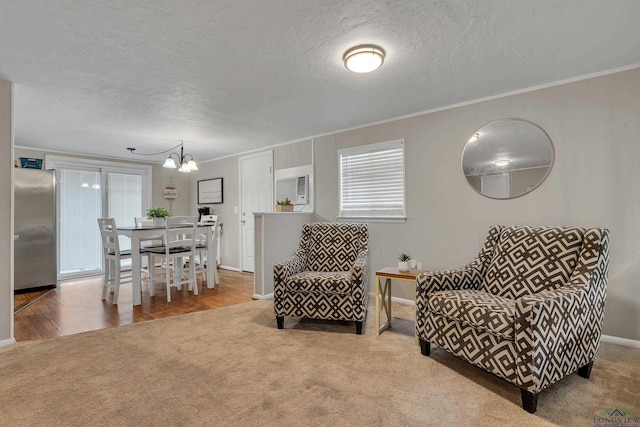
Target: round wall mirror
507, 158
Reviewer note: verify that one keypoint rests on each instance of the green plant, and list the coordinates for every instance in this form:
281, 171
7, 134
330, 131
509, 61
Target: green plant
285, 202
158, 213
404, 257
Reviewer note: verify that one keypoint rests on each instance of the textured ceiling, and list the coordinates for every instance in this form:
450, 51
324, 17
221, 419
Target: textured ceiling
229, 76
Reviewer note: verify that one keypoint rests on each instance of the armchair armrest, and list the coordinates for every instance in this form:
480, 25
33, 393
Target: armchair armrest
558, 331
467, 277
360, 270
293, 265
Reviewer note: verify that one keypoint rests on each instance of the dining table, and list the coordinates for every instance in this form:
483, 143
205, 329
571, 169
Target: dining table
145, 232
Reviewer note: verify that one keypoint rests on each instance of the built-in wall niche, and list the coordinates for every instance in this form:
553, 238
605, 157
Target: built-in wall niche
297, 185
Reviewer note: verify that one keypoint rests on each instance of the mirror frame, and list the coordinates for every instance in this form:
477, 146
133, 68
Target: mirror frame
544, 178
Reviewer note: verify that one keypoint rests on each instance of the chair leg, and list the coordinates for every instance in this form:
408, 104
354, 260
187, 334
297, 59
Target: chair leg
359, 328
105, 280
205, 273
116, 282
152, 273
280, 322
192, 278
204, 266
425, 347
585, 371
168, 281
529, 401
178, 272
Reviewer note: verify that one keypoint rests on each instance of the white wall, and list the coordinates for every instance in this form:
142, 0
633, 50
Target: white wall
595, 182
277, 237
6, 213
284, 156
161, 177
227, 169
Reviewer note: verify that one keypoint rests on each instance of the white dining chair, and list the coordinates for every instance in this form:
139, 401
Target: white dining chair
156, 241
112, 258
152, 241
206, 257
180, 242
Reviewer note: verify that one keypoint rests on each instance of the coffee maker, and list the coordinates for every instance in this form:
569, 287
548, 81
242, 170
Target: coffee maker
203, 211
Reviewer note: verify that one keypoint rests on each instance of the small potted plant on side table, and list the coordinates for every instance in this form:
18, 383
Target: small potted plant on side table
284, 206
403, 262
158, 215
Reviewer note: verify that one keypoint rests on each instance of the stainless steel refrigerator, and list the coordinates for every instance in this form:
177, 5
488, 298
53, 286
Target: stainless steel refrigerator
35, 258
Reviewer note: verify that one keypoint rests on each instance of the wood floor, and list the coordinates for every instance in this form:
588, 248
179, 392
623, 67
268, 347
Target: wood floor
76, 306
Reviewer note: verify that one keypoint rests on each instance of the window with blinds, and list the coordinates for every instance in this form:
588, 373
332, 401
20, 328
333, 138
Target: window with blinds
372, 181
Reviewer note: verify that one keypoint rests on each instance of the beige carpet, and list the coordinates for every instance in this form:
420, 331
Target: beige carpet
231, 366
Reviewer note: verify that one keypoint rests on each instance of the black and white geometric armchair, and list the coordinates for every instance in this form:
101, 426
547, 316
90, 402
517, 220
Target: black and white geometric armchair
327, 277
528, 308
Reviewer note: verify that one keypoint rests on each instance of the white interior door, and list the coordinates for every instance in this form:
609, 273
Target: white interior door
496, 185
256, 195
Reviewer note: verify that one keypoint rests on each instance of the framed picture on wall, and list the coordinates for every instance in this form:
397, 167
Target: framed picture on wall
210, 191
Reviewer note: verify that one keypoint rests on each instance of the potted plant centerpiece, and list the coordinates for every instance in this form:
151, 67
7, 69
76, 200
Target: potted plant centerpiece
158, 215
403, 262
284, 206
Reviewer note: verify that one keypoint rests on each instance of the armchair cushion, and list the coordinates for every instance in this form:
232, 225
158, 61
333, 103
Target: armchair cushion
528, 260
332, 282
327, 277
484, 311
538, 311
333, 247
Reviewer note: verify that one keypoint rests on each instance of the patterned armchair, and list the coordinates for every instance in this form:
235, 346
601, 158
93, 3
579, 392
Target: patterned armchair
528, 308
327, 277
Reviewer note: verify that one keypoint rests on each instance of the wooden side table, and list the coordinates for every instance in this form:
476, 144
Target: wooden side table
383, 292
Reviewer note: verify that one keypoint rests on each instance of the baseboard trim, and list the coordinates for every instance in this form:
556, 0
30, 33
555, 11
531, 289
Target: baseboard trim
402, 300
258, 296
396, 299
626, 342
7, 342
228, 267
620, 341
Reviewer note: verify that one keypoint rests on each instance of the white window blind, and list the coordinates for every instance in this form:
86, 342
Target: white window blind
79, 203
372, 181
90, 189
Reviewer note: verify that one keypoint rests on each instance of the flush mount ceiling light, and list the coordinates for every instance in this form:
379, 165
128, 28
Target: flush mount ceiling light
364, 58
474, 137
186, 161
501, 162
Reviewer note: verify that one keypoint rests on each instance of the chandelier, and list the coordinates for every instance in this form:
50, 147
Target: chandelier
186, 161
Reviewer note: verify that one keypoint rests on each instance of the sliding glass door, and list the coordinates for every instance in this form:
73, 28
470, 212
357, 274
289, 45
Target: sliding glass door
88, 190
80, 203
124, 201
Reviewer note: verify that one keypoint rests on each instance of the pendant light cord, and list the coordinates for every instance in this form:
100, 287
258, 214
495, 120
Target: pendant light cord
132, 150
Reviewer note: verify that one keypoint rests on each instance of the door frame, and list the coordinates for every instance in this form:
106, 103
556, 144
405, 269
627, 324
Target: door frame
240, 159
104, 167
